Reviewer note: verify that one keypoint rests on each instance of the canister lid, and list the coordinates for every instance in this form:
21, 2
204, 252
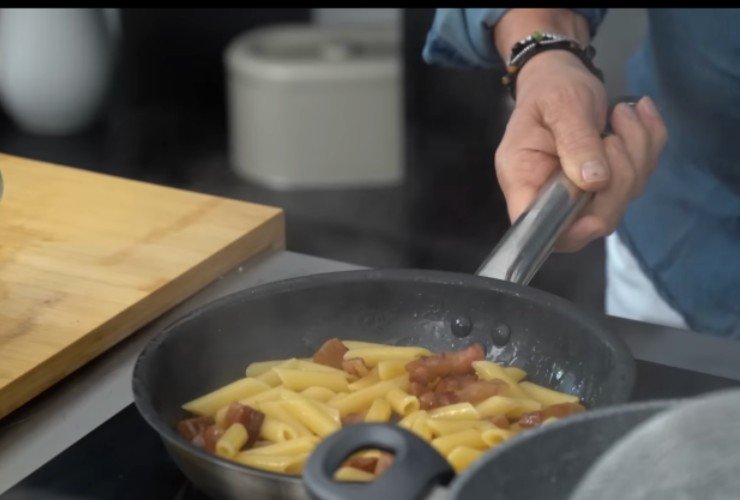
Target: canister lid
302, 52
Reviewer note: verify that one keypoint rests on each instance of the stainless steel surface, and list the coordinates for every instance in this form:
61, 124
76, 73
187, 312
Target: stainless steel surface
530, 240
524, 248
59, 417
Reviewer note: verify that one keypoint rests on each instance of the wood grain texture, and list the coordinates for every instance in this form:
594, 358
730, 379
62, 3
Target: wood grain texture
86, 259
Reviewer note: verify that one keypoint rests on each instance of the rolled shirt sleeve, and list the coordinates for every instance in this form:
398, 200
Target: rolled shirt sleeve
462, 38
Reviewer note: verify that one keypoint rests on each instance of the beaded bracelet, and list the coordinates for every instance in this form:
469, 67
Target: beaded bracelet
538, 42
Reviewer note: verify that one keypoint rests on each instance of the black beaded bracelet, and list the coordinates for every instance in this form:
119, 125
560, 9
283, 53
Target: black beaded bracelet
537, 42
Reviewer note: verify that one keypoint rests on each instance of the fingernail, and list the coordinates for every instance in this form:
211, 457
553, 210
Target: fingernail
649, 106
629, 111
594, 171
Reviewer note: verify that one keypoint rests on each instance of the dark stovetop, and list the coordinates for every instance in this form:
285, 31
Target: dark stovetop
124, 458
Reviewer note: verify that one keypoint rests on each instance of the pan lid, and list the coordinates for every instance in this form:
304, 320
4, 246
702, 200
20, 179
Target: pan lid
692, 451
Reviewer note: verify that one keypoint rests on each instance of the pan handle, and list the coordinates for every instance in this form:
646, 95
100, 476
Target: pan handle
529, 241
416, 468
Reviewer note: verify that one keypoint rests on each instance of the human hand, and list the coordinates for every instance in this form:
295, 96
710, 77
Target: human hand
557, 122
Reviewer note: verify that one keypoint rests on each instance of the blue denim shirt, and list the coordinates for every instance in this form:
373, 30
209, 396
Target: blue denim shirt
685, 229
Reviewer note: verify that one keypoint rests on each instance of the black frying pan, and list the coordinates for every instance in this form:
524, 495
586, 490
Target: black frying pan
556, 343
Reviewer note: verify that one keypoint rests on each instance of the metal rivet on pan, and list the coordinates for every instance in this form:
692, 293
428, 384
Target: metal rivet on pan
500, 334
461, 326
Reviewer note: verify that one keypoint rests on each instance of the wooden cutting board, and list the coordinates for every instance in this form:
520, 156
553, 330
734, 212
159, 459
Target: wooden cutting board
86, 259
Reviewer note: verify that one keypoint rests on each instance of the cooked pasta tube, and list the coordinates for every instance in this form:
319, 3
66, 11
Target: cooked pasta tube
391, 369
299, 380
295, 446
257, 368
276, 430
352, 474
457, 411
402, 402
374, 355
272, 394
310, 416
379, 411
421, 428
443, 427
318, 393
462, 456
210, 403
516, 374
488, 370
363, 398
493, 435
408, 421
469, 437
286, 464
502, 405
232, 440
276, 409
366, 381
547, 397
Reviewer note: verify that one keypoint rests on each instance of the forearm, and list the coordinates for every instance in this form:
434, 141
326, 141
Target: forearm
518, 23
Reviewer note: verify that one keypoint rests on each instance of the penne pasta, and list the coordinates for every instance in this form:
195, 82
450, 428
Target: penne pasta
391, 369
352, 474
421, 428
510, 407
366, 381
363, 398
488, 370
402, 402
259, 367
408, 421
272, 394
470, 438
379, 411
277, 410
231, 441
443, 427
210, 403
374, 355
287, 464
296, 446
276, 430
462, 456
457, 411
546, 396
493, 435
318, 393
288, 406
516, 374
311, 417
299, 380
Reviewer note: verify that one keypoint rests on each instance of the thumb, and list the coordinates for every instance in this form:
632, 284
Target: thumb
581, 150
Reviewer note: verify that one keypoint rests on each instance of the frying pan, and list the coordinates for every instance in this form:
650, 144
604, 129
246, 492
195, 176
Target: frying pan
540, 464
556, 343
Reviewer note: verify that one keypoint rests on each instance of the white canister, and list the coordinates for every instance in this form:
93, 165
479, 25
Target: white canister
316, 106
55, 66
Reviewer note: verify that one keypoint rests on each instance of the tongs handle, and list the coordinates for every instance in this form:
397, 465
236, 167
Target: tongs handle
530, 240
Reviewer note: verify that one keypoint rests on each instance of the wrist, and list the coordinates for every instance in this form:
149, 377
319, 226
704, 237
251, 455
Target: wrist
516, 24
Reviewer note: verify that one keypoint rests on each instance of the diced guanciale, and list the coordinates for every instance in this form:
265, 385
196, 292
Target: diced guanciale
331, 353
427, 369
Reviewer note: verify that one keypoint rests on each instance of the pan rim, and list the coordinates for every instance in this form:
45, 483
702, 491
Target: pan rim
491, 455
539, 297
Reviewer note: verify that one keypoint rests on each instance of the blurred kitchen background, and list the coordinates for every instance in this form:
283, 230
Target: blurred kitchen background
377, 158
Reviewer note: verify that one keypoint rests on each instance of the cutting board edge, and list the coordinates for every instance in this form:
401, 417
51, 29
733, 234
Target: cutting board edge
268, 236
